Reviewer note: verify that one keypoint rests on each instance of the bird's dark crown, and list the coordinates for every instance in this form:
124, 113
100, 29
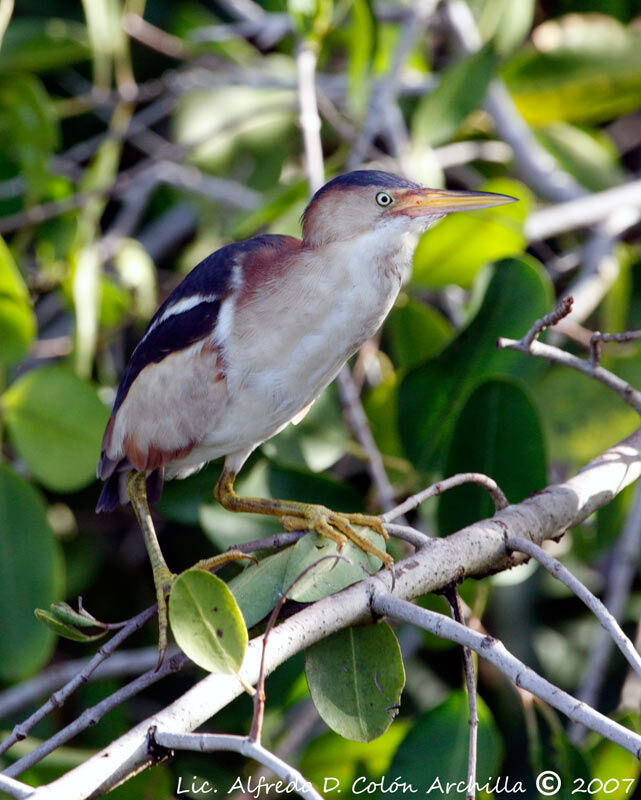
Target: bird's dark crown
366, 177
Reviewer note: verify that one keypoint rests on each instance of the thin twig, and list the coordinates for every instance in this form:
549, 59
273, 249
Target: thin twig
129, 662
212, 743
597, 339
627, 393
529, 345
493, 489
562, 309
454, 600
359, 424
407, 534
259, 696
523, 676
59, 698
90, 716
606, 619
310, 121
624, 567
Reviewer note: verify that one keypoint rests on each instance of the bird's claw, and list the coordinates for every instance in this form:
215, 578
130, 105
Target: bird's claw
338, 527
163, 581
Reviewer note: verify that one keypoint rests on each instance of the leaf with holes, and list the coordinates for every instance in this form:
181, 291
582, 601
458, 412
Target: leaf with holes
356, 678
206, 621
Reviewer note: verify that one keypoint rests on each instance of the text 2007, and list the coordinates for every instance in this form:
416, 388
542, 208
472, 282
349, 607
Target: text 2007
597, 785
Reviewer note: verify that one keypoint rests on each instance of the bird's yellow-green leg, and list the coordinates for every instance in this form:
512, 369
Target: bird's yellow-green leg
294, 515
163, 577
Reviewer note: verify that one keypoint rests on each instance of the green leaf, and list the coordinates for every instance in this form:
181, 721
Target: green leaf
455, 250
331, 575
29, 129
498, 433
506, 23
461, 89
588, 156
38, 45
432, 395
206, 621
17, 320
360, 43
417, 332
587, 68
260, 586
55, 421
355, 678
30, 576
63, 627
436, 747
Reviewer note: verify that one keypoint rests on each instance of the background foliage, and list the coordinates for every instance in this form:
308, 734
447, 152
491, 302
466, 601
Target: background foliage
132, 150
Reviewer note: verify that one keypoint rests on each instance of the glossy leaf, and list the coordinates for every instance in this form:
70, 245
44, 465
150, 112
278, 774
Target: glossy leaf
355, 678
206, 621
30, 576
17, 320
461, 89
331, 574
455, 250
55, 422
587, 68
258, 588
436, 747
498, 433
432, 395
417, 332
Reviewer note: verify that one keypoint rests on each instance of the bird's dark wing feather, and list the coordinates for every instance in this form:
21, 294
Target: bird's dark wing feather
201, 293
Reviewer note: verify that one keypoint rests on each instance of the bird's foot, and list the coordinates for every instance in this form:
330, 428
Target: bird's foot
221, 559
338, 527
163, 581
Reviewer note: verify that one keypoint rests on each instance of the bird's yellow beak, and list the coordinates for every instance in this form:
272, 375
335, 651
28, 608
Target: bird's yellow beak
441, 201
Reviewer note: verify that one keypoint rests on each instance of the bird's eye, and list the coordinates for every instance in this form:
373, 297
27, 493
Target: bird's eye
384, 199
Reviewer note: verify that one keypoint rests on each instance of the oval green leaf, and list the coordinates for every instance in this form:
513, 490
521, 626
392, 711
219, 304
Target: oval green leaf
498, 433
355, 678
330, 575
206, 621
431, 396
30, 576
259, 587
461, 89
55, 421
436, 747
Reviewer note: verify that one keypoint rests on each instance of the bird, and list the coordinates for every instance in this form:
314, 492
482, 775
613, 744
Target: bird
250, 338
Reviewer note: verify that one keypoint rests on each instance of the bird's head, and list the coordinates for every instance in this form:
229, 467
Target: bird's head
367, 200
